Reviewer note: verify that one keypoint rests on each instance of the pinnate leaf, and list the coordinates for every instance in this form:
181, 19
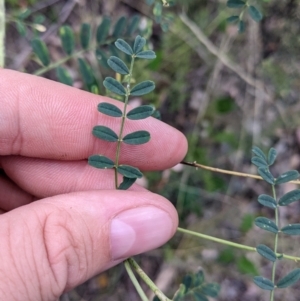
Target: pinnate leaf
266, 175
67, 39
138, 137
141, 112
263, 283
102, 30
105, 133
289, 197
129, 171
291, 229
142, 88
272, 156
254, 13
147, 54
113, 85
266, 224
267, 200
124, 46
289, 279
127, 182
40, 49
100, 161
287, 176
235, 3
117, 65
139, 44
266, 252
109, 109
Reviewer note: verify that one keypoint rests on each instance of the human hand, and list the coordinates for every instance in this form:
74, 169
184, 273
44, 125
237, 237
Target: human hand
80, 225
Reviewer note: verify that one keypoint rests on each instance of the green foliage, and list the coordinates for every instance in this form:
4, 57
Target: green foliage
142, 88
289, 197
267, 200
100, 161
138, 137
67, 39
85, 35
117, 65
109, 109
289, 279
141, 112
246, 266
64, 76
40, 49
114, 86
264, 283
105, 133
266, 252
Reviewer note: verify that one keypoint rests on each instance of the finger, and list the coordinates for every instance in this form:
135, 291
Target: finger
45, 119
53, 245
43, 178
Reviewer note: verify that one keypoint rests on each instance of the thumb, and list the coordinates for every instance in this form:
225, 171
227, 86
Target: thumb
53, 245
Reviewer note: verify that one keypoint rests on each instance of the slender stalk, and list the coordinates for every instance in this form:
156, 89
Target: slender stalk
233, 244
135, 282
147, 280
123, 121
2, 33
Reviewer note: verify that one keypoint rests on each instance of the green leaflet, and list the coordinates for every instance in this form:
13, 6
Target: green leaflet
124, 46
119, 27
291, 229
138, 137
142, 88
101, 57
287, 176
105, 133
266, 224
272, 156
254, 13
133, 25
259, 153
109, 109
267, 201
264, 283
289, 197
102, 30
129, 171
127, 182
67, 39
85, 35
266, 175
259, 162
114, 86
117, 65
147, 54
86, 73
241, 26
235, 3
139, 44
233, 19
40, 49
64, 76
266, 252
101, 162
141, 112
289, 279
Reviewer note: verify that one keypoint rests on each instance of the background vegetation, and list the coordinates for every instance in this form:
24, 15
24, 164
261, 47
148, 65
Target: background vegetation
226, 92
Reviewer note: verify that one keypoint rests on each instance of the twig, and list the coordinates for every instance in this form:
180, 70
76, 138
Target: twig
2, 33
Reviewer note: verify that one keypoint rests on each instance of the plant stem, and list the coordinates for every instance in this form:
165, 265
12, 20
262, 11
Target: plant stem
148, 281
135, 282
123, 121
2, 33
232, 244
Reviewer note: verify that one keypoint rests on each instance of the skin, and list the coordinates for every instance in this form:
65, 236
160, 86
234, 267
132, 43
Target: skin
62, 220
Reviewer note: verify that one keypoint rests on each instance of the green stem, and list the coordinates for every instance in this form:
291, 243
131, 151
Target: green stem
2, 33
148, 281
233, 244
123, 121
135, 282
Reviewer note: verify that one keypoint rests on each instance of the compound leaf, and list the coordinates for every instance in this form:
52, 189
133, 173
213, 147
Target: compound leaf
141, 112
259, 162
127, 182
129, 171
117, 65
113, 85
100, 161
119, 27
235, 3
267, 201
254, 13
142, 88
105, 133
291, 229
85, 35
109, 109
138, 137
259, 153
266, 224
147, 54
124, 46
102, 30
272, 156
64, 76
67, 39
289, 279
289, 197
139, 44
40, 49
266, 175
287, 176
264, 283
266, 252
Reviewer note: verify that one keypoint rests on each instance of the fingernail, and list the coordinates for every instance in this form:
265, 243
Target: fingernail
138, 230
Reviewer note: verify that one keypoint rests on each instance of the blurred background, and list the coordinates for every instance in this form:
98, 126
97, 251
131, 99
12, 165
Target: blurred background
225, 90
